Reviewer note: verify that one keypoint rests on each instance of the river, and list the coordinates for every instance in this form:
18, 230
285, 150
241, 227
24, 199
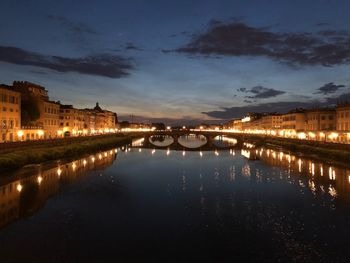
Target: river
148, 204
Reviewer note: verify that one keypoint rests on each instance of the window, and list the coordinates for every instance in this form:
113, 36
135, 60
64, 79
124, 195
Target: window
3, 124
3, 97
4, 109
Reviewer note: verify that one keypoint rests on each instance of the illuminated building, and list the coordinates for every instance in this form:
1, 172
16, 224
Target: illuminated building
38, 112
320, 119
251, 121
271, 121
294, 120
10, 113
343, 117
104, 119
51, 119
237, 125
71, 120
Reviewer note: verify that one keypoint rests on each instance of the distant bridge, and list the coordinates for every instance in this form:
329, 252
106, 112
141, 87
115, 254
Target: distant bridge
176, 134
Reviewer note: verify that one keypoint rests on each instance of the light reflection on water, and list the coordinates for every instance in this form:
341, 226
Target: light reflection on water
41, 183
192, 140
301, 171
268, 196
161, 140
224, 141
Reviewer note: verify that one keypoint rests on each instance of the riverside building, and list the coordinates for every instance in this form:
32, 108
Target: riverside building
10, 114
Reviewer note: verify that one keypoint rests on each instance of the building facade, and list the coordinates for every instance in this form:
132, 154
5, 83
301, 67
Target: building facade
294, 120
105, 120
321, 120
271, 122
37, 110
71, 121
50, 119
343, 117
10, 114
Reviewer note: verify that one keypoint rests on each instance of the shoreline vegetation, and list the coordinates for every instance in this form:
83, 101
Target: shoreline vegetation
25, 155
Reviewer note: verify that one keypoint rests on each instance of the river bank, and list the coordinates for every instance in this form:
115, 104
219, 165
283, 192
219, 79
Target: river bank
21, 156
332, 152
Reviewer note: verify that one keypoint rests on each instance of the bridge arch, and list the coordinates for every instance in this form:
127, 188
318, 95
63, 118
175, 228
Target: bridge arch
176, 134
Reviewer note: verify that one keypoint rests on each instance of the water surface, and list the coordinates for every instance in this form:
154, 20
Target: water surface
131, 203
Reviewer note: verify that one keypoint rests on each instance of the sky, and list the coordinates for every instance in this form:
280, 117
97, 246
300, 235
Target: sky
180, 61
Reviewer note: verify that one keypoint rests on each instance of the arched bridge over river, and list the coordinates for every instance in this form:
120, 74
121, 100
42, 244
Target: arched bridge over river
177, 134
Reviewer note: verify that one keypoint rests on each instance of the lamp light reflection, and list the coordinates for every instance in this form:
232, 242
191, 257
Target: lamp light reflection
19, 187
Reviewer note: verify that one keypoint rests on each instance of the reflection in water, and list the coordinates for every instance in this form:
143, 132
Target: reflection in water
285, 206
192, 140
22, 197
161, 140
336, 183
138, 142
224, 141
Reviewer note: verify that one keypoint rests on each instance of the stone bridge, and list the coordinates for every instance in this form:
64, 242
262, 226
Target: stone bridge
209, 135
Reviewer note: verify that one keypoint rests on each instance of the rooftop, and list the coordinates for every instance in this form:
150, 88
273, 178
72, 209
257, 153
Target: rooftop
28, 84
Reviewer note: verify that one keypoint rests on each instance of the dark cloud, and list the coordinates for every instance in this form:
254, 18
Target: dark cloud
279, 107
322, 24
39, 72
131, 46
342, 99
74, 27
239, 112
329, 88
80, 34
242, 89
260, 92
238, 39
101, 65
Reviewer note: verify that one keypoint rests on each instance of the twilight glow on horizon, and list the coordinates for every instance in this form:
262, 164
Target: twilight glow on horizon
183, 60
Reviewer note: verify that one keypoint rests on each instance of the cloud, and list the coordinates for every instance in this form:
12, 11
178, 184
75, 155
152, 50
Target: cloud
131, 46
341, 99
105, 65
322, 24
260, 92
280, 107
329, 88
76, 28
326, 48
77, 32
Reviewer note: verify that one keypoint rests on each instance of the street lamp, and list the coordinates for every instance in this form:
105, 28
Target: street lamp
20, 135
